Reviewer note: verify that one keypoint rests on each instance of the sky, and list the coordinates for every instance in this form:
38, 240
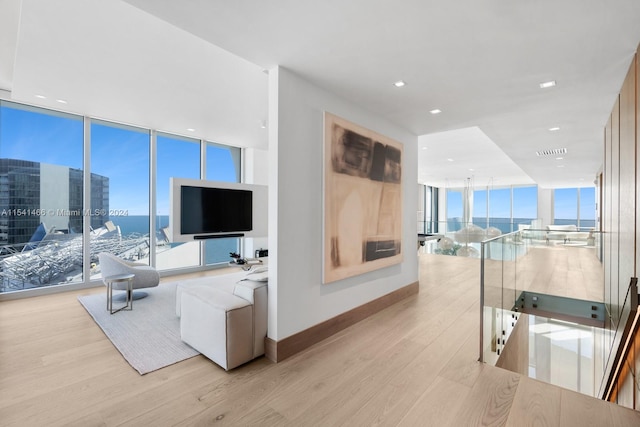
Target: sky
118, 152
524, 203
121, 153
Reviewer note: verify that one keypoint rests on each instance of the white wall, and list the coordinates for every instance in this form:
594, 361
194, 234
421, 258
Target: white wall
545, 205
442, 210
297, 297
256, 166
256, 171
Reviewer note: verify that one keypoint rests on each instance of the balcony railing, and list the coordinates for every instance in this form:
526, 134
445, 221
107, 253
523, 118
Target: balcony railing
544, 309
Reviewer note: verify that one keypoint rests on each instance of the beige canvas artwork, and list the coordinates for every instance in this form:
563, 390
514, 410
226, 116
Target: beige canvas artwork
362, 200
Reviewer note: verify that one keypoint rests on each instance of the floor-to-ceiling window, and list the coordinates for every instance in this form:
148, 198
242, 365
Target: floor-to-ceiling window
427, 209
524, 205
431, 211
576, 206
454, 210
421, 218
121, 155
565, 206
41, 191
51, 161
223, 164
500, 209
587, 207
176, 157
503, 208
480, 212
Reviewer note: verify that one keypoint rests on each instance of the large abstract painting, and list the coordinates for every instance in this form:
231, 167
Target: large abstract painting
362, 200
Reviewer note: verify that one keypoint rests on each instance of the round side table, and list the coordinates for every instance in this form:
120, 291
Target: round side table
119, 278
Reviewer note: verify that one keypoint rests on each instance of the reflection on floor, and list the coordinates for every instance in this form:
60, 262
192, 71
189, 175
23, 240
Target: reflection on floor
565, 270
562, 353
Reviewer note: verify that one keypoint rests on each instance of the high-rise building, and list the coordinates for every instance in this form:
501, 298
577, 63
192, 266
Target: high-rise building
32, 193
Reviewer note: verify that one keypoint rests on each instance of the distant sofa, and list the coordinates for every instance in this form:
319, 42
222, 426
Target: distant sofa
567, 233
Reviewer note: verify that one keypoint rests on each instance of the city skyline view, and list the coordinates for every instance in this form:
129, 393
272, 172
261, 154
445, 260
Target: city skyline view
118, 152
43, 153
122, 154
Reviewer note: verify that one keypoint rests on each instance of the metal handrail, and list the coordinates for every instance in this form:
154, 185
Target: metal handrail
483, 253
482, 258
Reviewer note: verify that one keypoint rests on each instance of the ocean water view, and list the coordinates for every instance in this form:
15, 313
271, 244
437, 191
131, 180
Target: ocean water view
506, 225
138, 223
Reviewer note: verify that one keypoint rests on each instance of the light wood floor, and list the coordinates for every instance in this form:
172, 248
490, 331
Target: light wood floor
413, 364
563, 270
560, 270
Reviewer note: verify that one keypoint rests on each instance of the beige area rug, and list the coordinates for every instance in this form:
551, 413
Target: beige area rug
148, 337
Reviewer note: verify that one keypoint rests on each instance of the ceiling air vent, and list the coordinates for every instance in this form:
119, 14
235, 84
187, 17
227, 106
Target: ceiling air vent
552, 152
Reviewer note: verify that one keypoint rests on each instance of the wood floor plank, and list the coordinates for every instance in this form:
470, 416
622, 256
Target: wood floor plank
582, 411
263, 416
408, 384
490, 399
413, 361
463, 366
624, 417
535, 404
319, 364
322, 365
568, 271
354, 391
435, 407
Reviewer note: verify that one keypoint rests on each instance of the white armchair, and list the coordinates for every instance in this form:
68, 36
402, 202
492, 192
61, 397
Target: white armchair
145, 276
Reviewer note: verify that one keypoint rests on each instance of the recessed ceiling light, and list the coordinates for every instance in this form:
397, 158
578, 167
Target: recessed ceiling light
41, 96
559, 158
450, 160
553, 129
545, 85
191, 129
400, 83
424, 148
560, 166
471, 170
61, 101
436, 111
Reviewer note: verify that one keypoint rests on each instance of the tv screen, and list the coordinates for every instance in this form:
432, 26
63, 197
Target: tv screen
205, 210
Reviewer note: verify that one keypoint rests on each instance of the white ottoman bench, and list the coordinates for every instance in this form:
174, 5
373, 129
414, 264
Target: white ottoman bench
227, 327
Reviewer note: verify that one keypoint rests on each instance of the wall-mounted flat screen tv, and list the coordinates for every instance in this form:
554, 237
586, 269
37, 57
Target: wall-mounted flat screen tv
201, 209
207, 210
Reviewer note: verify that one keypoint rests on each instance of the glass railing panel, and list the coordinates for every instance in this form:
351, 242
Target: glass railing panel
563, 353
552, 275
499, 274
451, 237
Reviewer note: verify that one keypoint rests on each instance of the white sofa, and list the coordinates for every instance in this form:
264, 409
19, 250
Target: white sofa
566, 233
225, 317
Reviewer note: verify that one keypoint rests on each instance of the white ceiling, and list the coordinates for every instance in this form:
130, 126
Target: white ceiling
448, 158
110, 60
480, 62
